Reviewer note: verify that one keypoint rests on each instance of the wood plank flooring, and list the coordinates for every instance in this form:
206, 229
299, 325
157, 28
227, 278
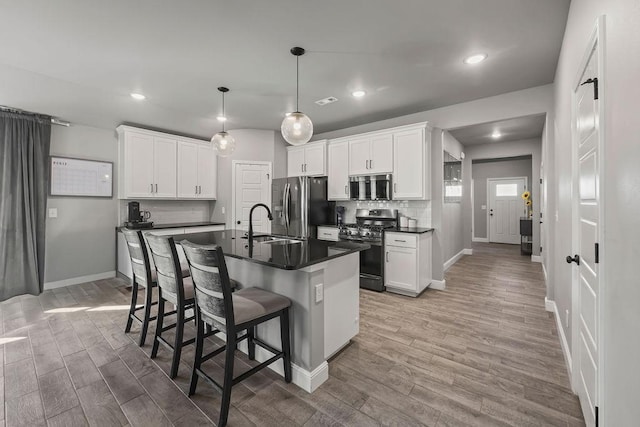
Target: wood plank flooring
484, 352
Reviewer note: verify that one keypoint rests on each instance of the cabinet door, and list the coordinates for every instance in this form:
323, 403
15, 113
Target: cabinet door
187, 170
381, 160
338, 171
207, 172
408, 165
164, 155
139, 178
359, 156
314, 160
401, 269
295, 162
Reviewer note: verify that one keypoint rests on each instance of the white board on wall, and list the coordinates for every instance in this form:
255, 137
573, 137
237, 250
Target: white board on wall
80, 177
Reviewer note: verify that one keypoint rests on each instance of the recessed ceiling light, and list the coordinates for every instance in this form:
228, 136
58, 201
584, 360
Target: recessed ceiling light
358, 93
138, 96
474, 59
496, 134
221, 118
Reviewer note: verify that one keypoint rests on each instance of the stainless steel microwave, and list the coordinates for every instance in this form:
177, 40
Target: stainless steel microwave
370, 187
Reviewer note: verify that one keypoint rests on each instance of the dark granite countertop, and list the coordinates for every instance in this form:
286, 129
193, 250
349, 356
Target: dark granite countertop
292, 256
412, 230
178, 225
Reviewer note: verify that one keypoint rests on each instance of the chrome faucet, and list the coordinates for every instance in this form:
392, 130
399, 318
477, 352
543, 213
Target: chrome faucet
250, 235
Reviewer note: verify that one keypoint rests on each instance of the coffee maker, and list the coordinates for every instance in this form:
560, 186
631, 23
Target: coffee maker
137, 218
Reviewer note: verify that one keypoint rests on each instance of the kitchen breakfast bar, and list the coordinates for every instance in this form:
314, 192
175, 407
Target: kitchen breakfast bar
321, 279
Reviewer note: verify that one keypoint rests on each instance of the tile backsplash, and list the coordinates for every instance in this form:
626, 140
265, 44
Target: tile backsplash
172, 211
417, 209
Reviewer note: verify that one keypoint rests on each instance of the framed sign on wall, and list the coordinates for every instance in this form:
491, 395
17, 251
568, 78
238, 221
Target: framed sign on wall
80, 177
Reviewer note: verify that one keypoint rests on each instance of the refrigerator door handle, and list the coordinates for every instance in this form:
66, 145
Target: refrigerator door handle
285, 200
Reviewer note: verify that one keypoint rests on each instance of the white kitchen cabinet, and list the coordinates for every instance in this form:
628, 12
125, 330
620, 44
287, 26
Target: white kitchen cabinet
338, 171
411, 165
407, 262
197, 165
371, 155
164, 167
307, 160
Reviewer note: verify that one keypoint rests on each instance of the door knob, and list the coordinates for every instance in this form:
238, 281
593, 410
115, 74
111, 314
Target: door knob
239, 222
576, 259
490, 212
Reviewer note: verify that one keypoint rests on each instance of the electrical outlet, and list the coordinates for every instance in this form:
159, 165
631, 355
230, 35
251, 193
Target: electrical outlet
319, 292
53, 212
566, 318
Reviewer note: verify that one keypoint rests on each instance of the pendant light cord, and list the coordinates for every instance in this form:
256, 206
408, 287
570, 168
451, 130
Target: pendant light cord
223, 114
297, 83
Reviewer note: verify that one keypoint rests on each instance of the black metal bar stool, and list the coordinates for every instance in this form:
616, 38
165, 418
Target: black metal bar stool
224, 311
176, 287
142, 277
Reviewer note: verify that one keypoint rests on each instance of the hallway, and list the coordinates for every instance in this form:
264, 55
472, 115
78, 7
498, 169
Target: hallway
483, 352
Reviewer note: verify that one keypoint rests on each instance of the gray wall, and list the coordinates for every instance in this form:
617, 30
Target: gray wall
452, 225
620, 251
81, 240
527, 147
482, 170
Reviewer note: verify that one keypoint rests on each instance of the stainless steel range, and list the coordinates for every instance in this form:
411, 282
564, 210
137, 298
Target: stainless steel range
369, 227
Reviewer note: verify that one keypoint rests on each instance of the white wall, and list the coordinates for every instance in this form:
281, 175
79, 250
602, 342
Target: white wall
452, 217
620, 250
527, 147
81, 240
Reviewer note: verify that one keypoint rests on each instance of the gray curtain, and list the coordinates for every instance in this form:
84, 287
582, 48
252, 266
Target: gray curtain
24, 181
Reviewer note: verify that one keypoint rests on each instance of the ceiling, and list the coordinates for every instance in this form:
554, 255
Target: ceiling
510, 130
80, 60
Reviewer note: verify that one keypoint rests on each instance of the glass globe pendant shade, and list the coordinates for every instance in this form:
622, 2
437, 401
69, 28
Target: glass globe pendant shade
223, 143
297, 128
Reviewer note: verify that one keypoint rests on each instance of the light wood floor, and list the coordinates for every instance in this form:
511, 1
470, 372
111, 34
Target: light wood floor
482, 352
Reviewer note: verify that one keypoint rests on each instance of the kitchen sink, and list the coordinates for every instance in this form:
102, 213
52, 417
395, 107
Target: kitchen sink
273, 240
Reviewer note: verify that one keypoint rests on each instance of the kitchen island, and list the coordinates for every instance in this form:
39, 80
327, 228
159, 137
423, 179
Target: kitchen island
321, 278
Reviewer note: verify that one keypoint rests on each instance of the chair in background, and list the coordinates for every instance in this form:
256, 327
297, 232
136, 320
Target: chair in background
223, 311
143, 276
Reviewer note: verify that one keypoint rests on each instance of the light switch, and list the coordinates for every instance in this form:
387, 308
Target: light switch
319, 292
53, 212
223, 210
483, 207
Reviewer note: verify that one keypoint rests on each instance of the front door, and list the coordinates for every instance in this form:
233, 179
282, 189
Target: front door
506, 207
252, 185
586, 224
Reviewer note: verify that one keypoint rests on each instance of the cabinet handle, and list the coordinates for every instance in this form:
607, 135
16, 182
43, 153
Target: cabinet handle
151, 188
366, 164
346, 191
370, 164
395, 187
196, 189
302, 167
387, 256
156, 188
199, 189
398, 240
326, 234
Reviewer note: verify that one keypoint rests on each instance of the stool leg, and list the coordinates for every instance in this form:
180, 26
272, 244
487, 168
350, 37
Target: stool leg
228, 378
251, 334
286, 344
147, 314
134, 302
177, 346
156, 342
197, 362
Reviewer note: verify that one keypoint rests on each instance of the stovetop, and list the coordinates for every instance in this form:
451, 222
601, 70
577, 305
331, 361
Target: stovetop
363, 232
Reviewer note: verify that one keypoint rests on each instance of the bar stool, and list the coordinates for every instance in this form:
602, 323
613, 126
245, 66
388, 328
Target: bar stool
174, 287
142, 277
224, 311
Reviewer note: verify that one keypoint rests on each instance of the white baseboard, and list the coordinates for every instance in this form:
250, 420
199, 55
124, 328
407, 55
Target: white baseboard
309, 381
536, 258
438, 285
468, 251
78, 280
453, 260
563, 339
480, 239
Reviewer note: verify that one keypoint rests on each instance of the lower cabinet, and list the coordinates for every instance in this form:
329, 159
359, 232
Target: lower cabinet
407, 262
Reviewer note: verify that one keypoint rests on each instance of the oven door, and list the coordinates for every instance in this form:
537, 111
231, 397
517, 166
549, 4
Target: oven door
371, 268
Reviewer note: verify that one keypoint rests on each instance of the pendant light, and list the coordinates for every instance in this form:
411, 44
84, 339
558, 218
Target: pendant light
297, 128
223, 143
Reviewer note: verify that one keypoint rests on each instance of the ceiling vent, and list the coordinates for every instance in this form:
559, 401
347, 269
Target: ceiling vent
328, 100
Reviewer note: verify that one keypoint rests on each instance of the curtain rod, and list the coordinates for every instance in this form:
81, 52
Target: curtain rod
54, 120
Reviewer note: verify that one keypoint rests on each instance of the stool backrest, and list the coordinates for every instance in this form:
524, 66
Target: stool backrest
140, 265
212, 285
165, 257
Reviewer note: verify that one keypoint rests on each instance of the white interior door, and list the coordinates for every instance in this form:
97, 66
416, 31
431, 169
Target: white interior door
586, 225
505, 209
252, 185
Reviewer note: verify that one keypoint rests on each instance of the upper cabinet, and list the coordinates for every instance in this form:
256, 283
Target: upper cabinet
404, 152
307, 160
371, 155
163, 166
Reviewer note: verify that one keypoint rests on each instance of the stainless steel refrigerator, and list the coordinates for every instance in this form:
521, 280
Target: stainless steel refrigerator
299, 205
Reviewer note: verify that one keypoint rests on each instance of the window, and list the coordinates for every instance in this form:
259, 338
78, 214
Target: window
452, 179
506, 190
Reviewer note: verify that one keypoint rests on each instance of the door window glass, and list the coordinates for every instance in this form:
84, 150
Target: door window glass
506, 190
